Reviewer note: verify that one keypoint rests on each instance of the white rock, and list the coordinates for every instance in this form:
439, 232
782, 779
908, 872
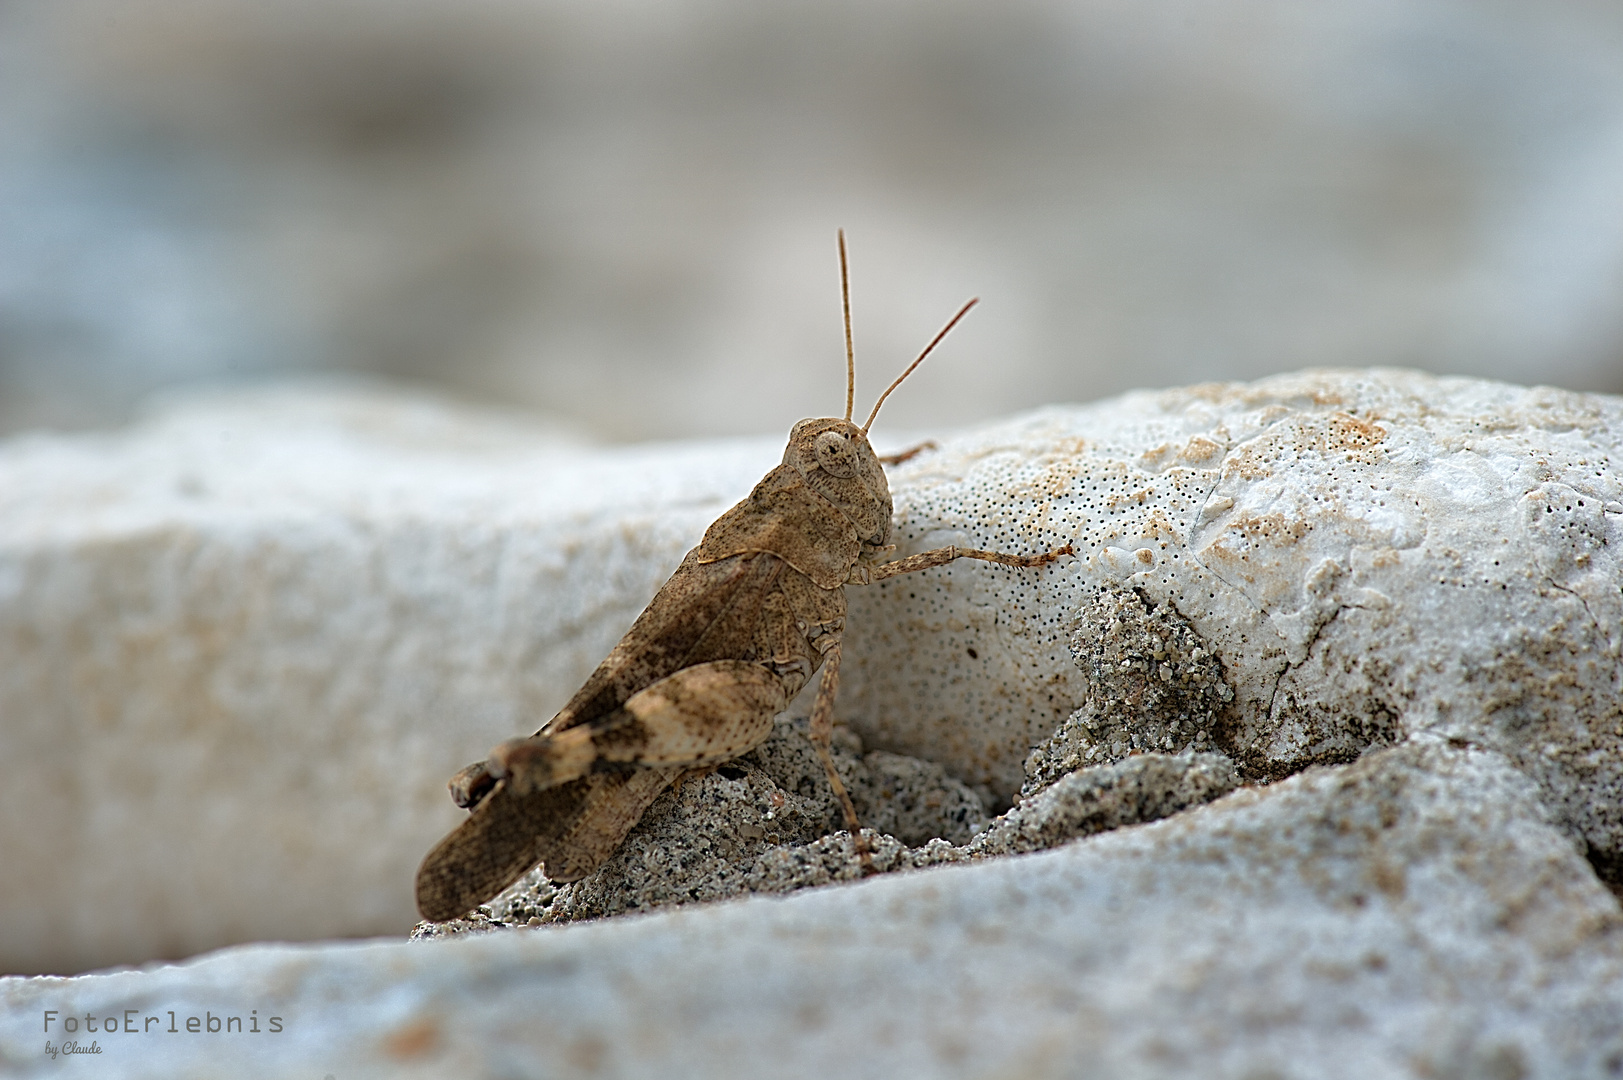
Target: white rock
1412, 914
245, 644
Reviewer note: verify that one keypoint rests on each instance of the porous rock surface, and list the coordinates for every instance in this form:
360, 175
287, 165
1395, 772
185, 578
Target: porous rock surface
251, 640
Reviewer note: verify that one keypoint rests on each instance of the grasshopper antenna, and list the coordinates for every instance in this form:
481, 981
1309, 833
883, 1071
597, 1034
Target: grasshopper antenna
933, 343
850, 357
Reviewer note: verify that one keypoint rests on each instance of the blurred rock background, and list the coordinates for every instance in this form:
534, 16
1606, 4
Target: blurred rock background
623, 212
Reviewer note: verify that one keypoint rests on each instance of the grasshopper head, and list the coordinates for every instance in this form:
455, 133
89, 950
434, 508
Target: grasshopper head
837, 462
834, 455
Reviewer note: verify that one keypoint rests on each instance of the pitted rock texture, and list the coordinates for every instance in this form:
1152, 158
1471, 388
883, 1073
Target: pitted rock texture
1143, 788
1151, 686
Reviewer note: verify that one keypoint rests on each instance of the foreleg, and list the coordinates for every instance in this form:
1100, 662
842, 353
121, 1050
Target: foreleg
822, 737
909, 454
924, 560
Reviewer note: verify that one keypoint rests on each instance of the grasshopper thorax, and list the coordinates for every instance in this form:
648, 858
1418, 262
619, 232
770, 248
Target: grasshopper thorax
834, 457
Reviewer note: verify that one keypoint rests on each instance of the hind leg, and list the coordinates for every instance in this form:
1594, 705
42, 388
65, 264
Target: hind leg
702, 715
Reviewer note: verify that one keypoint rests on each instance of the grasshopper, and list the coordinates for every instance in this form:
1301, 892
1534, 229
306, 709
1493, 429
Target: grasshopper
747, 619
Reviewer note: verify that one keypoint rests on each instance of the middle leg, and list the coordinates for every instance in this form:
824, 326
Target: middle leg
822, 737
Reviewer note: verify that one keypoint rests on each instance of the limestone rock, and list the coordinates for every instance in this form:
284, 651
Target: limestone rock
1150, 686
1143, 788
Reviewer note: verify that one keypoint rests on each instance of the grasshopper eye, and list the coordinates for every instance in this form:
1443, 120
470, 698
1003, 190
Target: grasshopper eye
834, 454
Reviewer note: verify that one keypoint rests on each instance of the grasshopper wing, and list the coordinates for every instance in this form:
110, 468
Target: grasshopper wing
508, 834
707, 617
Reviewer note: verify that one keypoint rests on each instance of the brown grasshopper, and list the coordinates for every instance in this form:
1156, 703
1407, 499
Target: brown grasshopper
749, 616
